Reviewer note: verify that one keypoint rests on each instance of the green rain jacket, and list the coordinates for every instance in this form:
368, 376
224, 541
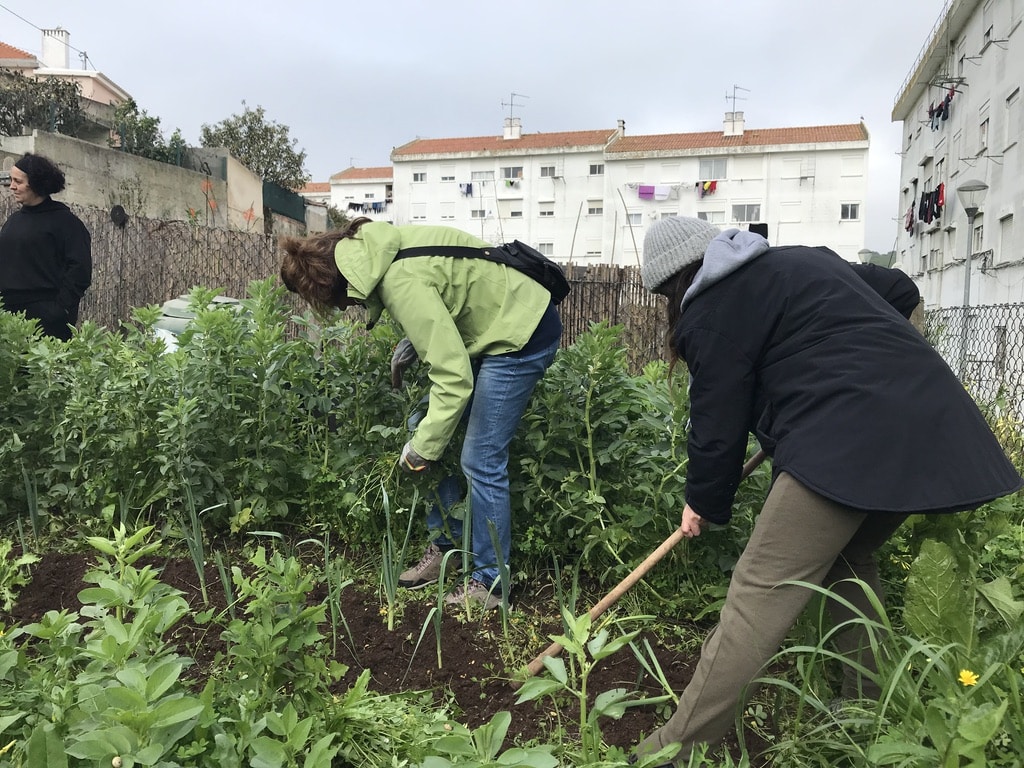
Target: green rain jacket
452, 309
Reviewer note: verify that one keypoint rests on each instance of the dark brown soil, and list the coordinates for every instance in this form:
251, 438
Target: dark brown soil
471, 677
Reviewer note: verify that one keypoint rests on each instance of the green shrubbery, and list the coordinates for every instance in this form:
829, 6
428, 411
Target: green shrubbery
251, 428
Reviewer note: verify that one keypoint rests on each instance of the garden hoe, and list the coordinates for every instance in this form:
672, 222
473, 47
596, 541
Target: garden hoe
635, 575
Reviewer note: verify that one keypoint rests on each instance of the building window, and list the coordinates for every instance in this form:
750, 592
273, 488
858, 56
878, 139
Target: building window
545, 209
515, 214
1005, 240
978, 235
935, 251
595, 208
419, 212
368, 196
547, 171
419, 176
746, 212
478, 213
512, 172
548, 249
635, 219
447, 211
849, 212
983, 136
445, 179
597, 169
713, 168
1013, 123
715, 217
482, 176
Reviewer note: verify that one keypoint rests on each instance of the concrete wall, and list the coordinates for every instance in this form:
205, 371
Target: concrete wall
227, 196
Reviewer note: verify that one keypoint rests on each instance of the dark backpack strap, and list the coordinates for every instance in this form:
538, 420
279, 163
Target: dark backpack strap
456, 251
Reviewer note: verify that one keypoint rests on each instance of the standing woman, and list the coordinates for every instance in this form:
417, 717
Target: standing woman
864, 421
45, 250
487, 332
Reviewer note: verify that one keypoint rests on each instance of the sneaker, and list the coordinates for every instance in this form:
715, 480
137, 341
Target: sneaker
474, 591
427, 570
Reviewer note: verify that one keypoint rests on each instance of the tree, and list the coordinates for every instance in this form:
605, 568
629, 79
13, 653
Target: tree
262, 145
50, 104
139, 134
336, 219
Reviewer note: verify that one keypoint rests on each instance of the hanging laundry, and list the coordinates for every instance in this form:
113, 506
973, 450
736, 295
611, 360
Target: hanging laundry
661, 191
908, 219
700, 189
942, 195
645, 192
712, 186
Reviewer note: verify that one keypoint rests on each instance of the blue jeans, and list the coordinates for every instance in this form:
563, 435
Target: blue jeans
501, 390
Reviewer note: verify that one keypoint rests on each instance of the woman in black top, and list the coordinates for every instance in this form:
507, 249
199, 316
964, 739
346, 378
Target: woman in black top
45, 250
864, 421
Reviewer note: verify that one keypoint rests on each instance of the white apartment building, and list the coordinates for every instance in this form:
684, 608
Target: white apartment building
363, 192
586, 197
962, 122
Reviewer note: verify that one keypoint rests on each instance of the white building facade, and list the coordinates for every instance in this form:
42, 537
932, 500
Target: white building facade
363, 192
587, 197
962, 122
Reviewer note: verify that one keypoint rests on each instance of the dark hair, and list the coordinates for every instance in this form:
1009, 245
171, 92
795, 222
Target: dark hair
44, 177
308, 267
674, 289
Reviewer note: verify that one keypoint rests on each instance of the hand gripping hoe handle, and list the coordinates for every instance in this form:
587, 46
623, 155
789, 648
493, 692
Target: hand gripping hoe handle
635, 575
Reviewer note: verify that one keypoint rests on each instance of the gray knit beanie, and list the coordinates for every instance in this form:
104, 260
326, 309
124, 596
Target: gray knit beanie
672, 244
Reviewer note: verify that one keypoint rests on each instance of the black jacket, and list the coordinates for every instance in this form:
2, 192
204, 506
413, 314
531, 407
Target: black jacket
841, 391
45, 254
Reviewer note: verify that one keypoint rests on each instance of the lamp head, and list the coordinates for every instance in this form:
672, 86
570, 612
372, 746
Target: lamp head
971, 195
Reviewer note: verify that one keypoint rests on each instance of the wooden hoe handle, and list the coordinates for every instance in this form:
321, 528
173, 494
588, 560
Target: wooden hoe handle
634, 576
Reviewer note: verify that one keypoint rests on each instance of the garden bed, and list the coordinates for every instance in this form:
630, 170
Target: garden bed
471, 680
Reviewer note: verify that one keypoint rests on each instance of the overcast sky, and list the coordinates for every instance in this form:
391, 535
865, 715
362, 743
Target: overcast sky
353, 80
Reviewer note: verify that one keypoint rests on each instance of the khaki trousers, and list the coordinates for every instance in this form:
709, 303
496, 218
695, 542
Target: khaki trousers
798, 536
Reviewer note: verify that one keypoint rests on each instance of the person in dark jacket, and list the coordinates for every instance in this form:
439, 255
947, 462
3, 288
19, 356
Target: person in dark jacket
45, 250
864, 421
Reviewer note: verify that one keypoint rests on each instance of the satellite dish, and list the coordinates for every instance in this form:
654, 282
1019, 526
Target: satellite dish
118, 216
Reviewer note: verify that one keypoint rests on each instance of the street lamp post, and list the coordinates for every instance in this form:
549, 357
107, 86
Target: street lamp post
971, 195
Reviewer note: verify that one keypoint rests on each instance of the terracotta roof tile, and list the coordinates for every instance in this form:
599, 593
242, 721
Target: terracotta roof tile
315, 188
353, 174
10, 52
751, 138
498, 144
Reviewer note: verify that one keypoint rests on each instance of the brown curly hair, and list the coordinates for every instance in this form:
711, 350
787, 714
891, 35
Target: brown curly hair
308, 267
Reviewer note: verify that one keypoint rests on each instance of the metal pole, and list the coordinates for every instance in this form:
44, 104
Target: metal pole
965, 333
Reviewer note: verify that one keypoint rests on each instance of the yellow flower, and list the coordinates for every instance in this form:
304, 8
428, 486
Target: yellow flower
7, 749
967, 677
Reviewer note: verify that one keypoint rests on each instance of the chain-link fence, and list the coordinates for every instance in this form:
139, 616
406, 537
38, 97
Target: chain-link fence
985, 346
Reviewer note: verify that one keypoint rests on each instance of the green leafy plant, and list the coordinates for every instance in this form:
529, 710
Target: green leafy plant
586, 645
481, 748
14, 573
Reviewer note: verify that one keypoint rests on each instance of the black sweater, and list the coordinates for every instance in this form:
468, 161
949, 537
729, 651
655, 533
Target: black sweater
842, 392
45, 253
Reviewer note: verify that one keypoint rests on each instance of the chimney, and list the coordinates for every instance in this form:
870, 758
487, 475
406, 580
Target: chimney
621, 128
56, 49
733, 124
513, 128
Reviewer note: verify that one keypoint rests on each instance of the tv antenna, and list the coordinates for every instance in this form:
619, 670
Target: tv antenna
511, 103
733, 98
